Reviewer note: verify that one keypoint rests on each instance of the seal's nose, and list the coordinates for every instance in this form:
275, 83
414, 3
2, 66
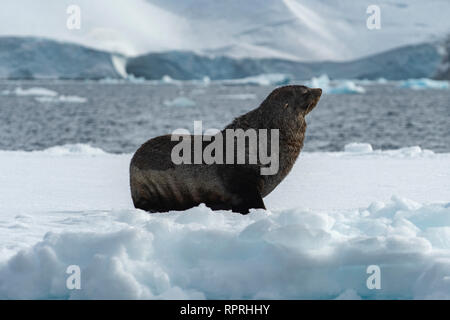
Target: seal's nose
317, 92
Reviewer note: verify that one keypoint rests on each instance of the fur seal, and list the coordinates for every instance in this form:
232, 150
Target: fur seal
159, 185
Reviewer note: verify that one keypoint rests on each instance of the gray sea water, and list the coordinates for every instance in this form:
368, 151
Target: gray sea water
119, 117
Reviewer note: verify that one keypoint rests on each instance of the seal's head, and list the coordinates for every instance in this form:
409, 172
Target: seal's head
305, 99
298, 99
287, 106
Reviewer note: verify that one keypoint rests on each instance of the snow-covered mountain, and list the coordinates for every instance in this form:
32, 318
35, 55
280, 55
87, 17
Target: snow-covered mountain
309, 30
302, 30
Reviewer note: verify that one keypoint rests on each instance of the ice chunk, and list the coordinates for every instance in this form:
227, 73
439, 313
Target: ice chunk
36, 91
73, 149
424, 83
407, 152
167, 79
131, 78
180, 102
44, 95
68, 99
337, 87
201, 254
320, 82
346, 86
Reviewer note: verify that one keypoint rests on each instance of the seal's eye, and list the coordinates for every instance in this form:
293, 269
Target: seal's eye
286, 105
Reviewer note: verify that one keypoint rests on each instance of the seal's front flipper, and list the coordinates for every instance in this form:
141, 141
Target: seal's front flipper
249, 199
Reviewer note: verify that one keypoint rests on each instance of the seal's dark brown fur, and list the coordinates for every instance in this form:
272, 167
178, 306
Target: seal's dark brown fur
158, 185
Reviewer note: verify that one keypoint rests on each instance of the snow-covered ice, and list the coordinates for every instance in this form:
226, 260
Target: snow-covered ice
333, 216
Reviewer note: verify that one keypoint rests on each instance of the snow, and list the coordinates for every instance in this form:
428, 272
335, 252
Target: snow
424, 83
338, 87
333, 216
